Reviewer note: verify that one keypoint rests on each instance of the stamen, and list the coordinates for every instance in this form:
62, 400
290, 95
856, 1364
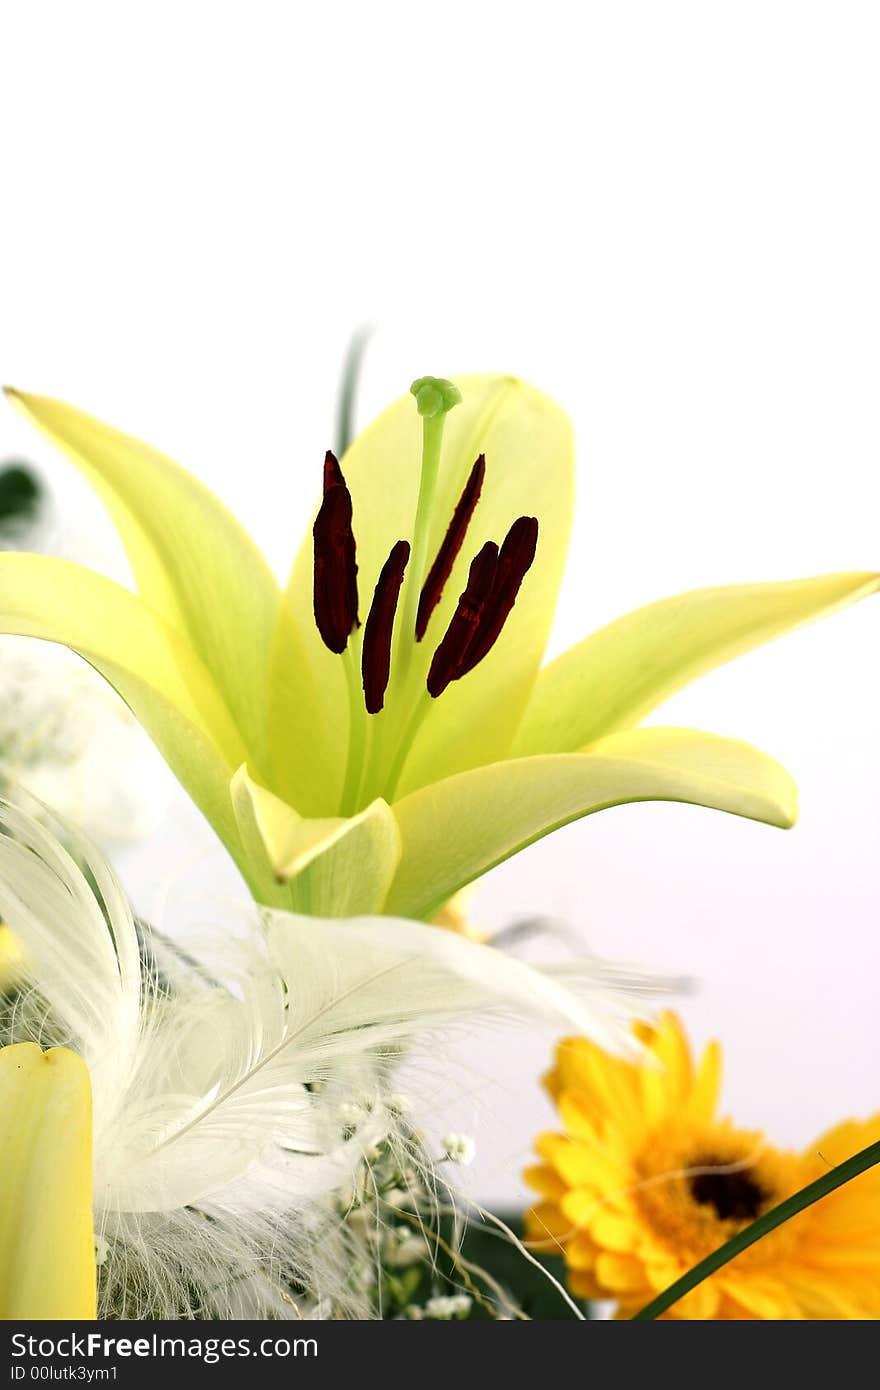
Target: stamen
335, 573
432, 590
483, 609
332, 472
376, 660
448, 662
514, 563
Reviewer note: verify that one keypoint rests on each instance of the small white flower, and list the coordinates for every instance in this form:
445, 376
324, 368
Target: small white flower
459, 1148
398, 1198
351, 1114
400, 1104
406, 1251
448, 1306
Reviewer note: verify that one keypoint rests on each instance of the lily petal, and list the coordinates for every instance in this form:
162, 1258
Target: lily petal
336, 866
148, 662
490, 813
193, 563
528, 444
47, 1246
615, 677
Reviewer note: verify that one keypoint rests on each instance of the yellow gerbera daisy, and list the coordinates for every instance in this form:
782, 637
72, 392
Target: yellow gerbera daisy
647, 1180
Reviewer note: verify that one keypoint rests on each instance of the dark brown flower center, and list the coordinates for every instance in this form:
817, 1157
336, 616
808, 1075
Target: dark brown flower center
734, 1196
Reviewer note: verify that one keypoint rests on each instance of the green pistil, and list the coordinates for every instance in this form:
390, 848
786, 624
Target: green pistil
434, 398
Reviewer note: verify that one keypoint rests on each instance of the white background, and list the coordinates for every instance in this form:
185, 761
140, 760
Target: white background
667, 215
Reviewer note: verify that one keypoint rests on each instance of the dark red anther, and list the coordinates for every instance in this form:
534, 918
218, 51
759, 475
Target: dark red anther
332, 472
376, 660
432, 589
514, 562
449, 658
335, 576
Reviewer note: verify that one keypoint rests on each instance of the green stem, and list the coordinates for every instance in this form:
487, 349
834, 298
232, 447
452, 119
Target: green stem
356, 726
370, 785
401, 753
836, 1177
351, 372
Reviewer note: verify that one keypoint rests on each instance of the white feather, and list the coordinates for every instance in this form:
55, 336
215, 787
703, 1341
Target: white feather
217, 1132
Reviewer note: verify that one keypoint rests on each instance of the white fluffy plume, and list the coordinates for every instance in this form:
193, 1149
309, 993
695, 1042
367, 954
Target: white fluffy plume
218, 1084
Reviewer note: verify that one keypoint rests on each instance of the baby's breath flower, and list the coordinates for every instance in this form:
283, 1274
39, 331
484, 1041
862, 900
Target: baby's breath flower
350, 1115
459, 1148
400, 1104
407, 1251
398, 1198
445, 1307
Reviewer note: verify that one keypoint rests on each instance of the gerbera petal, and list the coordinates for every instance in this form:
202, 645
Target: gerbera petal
47, 1247
617, 676
620, 1274
581, 1252
459, 828
149, 663
583, 1284
606, 1088
193, 563
703, 1101
838, 1144
701, 1304
767, 1298
527, 441
614, 1232
666, 1086
544, 1181
545, 1223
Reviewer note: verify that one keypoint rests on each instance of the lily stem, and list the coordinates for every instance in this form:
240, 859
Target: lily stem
813, 1192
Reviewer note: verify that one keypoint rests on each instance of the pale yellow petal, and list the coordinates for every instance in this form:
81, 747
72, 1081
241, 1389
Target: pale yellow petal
459, 828
333, 867
193, 563
617, 676
149, 663
47, 1250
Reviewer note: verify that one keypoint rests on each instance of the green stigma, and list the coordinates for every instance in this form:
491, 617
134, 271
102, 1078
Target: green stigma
434, 396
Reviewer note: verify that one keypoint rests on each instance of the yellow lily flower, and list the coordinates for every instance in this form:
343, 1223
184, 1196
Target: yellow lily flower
47, 1248
471, 751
